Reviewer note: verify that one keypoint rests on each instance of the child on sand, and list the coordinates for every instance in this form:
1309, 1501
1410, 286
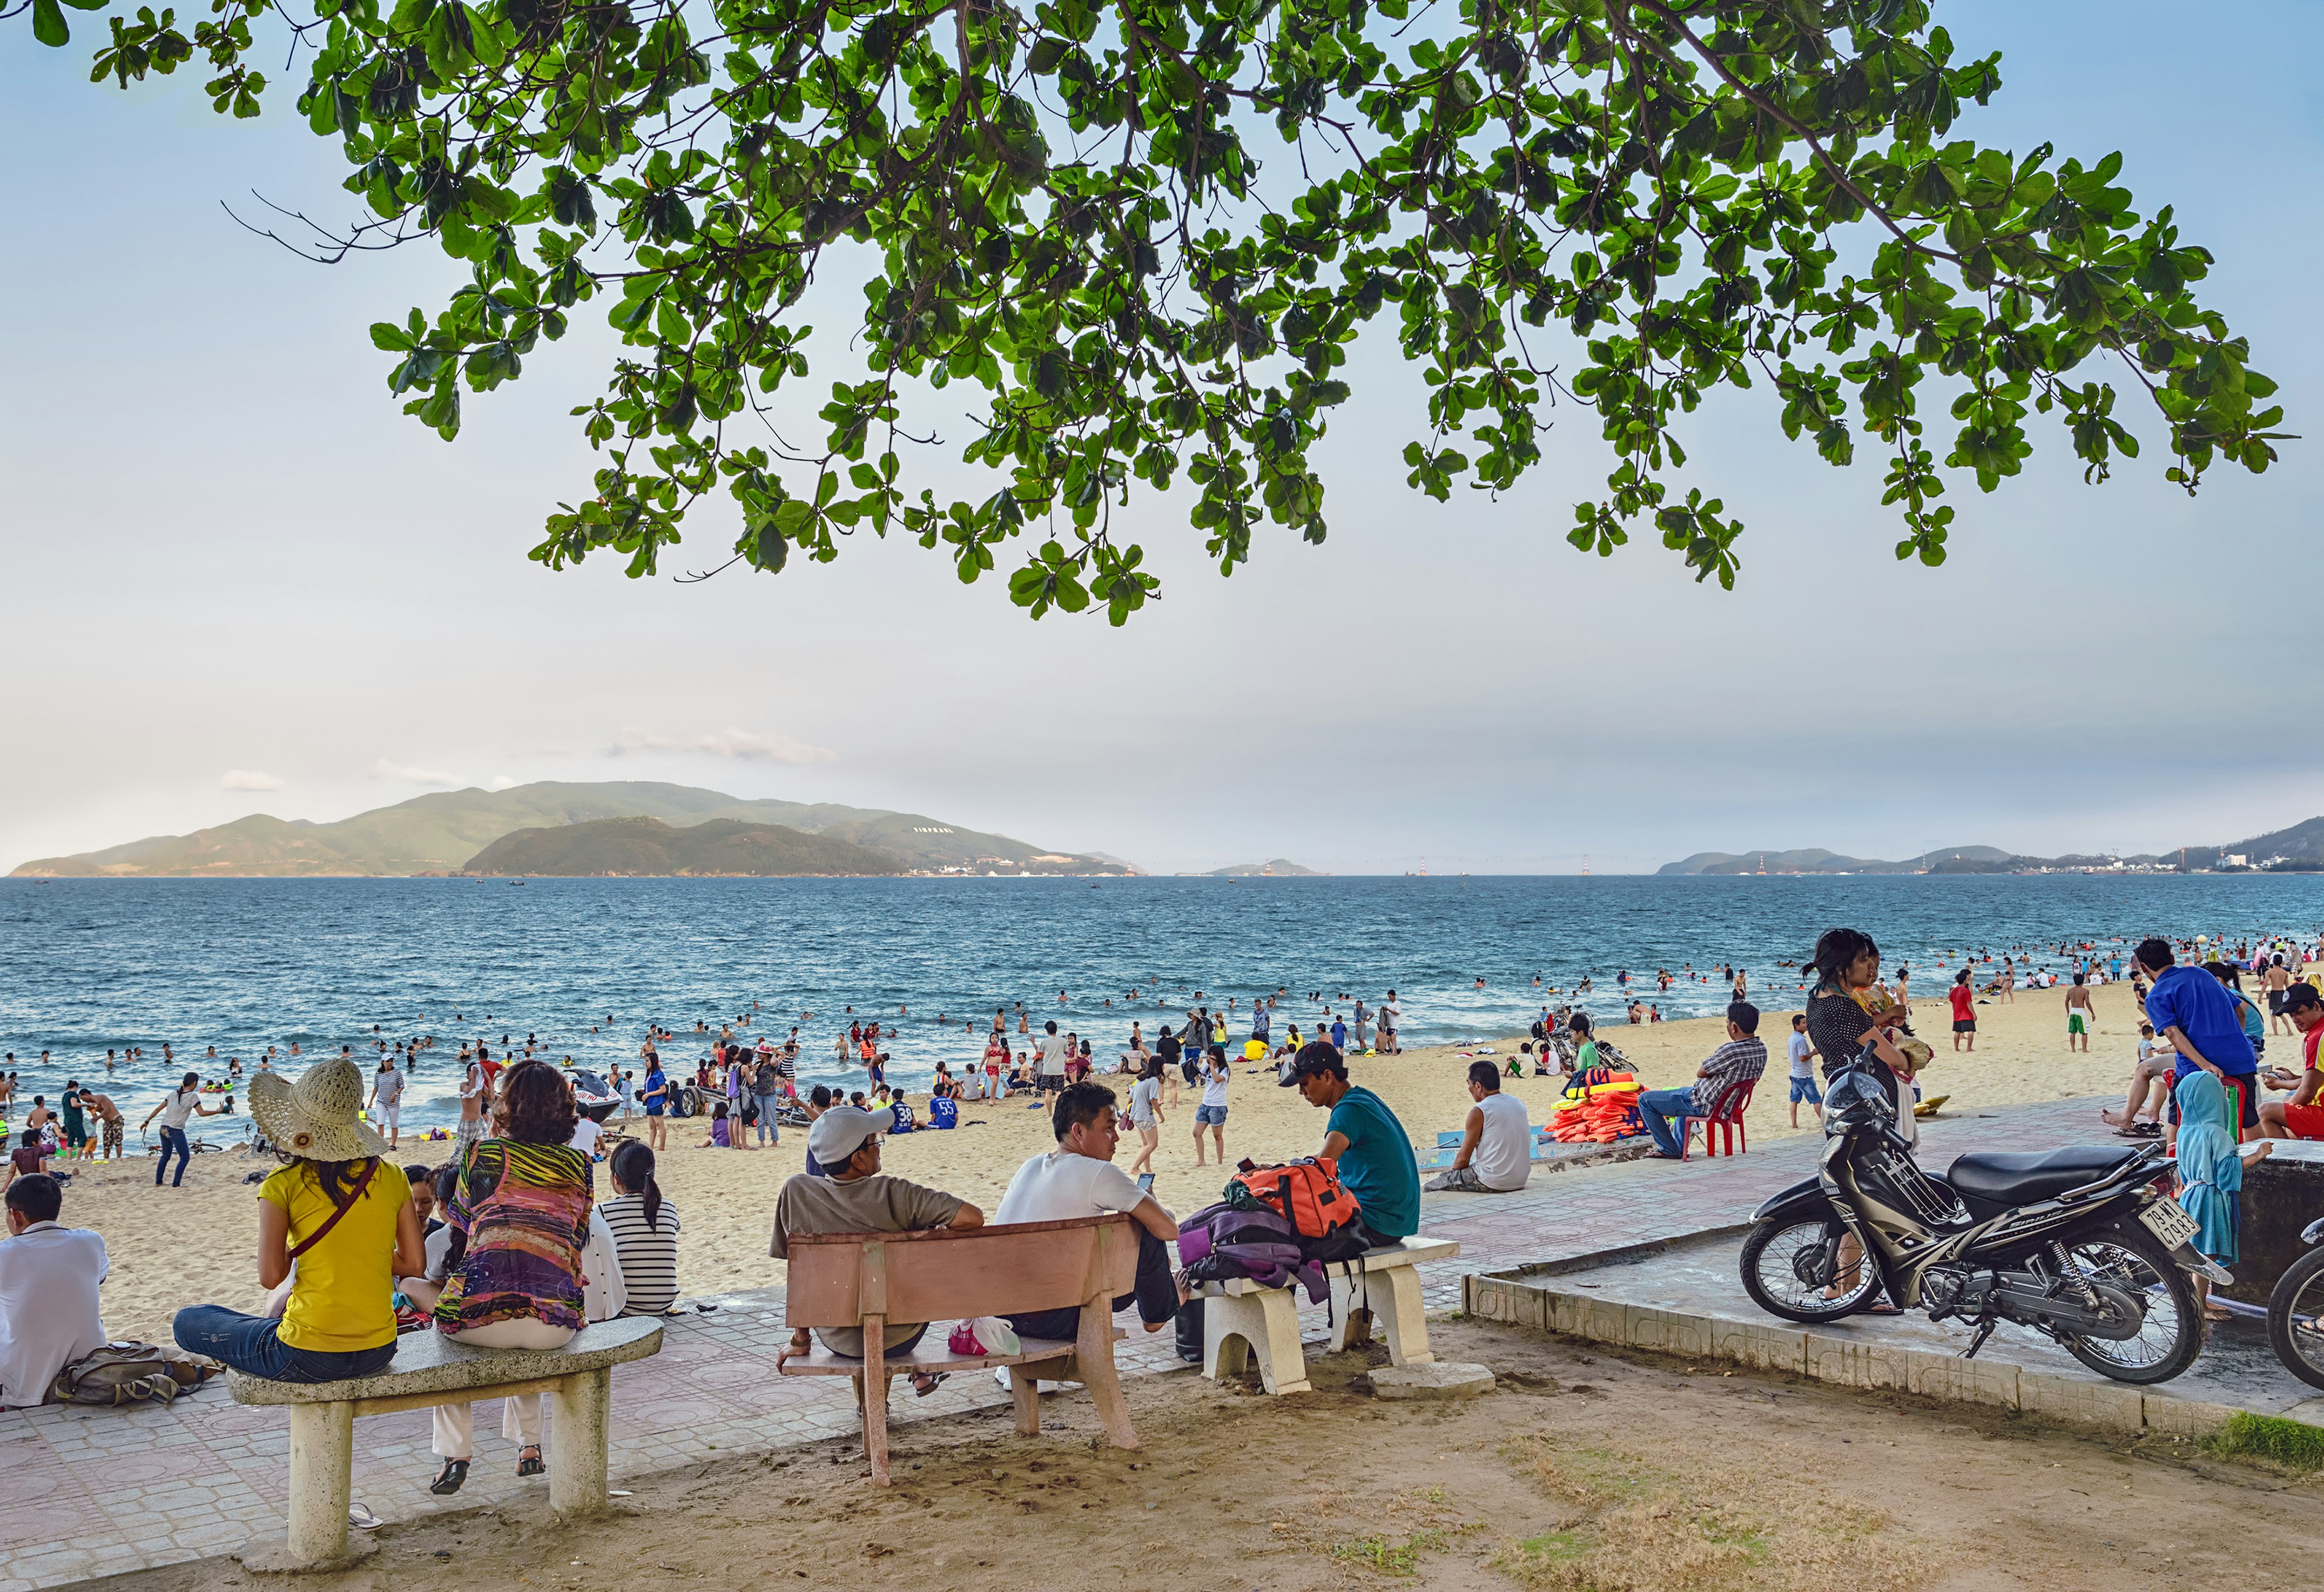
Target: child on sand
722, 1136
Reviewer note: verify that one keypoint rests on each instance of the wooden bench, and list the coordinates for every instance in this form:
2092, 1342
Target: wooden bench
1242, 1318
866, 1280
432, 1369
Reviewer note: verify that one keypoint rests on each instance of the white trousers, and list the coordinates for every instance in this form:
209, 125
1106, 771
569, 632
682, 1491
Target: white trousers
521, 1417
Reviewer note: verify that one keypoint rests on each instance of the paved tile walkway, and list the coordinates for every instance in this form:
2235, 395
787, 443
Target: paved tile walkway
95, 1492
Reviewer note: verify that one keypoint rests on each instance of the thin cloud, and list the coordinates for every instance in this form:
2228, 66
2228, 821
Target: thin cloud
248, 779
740, 744
500, 782
409, 774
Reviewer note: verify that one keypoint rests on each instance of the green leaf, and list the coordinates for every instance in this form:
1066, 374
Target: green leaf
1553, 204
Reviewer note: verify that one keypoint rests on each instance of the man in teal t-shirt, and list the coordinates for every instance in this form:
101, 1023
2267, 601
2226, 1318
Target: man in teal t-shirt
1375, 1158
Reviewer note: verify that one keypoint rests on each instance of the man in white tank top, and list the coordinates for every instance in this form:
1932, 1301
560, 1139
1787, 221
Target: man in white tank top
1496, 1153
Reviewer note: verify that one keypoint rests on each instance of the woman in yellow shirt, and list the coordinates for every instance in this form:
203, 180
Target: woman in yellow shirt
336, 1223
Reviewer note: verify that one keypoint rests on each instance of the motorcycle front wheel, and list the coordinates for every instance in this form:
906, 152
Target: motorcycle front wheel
2171, 1336
1784, 1261
2295, 1318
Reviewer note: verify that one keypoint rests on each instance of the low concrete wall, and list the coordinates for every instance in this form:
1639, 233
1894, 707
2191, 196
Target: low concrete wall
2282, 1195
1524, 1298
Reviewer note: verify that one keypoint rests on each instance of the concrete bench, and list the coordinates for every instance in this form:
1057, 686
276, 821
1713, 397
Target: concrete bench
866, 1280
432, 1369
1242, 1318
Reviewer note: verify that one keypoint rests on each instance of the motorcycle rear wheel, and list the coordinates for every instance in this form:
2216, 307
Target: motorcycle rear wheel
2132, 1258
2295, 1327
1772, 1258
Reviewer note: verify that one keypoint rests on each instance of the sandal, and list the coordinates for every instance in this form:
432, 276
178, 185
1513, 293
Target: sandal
533, 1466
448, 1479
922, 1387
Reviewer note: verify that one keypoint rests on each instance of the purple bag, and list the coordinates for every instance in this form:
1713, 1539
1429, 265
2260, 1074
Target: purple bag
1215, 1227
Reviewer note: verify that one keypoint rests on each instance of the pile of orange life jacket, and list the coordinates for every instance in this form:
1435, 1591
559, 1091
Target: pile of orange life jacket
1600, 1106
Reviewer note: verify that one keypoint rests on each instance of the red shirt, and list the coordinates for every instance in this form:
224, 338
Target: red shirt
1963, 1004
2308, 1046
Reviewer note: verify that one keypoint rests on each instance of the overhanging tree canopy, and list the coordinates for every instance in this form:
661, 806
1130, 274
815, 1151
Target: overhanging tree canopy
1622, 204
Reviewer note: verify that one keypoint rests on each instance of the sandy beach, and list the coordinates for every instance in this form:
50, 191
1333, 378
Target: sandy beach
175, 1246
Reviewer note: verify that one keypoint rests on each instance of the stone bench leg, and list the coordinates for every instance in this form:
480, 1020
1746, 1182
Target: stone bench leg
1267, 1323
322, 1461
1392, 1297
580, 1425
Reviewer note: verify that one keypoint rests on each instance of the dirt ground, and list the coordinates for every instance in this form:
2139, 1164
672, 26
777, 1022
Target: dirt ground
1585, 1471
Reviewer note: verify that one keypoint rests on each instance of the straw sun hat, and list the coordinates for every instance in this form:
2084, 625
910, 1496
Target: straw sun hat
317, 1117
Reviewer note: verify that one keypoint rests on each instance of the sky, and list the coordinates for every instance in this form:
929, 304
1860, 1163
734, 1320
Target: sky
238, 579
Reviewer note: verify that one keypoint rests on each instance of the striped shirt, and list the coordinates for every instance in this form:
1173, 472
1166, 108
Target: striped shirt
648, 1255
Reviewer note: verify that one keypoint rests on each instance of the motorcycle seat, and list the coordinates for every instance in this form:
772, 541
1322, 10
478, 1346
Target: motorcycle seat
1997, 1178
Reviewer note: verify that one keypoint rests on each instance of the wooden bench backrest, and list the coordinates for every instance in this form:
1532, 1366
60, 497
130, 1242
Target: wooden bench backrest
836, 1279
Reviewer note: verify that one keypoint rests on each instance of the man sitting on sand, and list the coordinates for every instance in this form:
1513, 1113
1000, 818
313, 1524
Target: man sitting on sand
855, 1196
1362, 1136
1077, 1179
48, 1276
1496, 1153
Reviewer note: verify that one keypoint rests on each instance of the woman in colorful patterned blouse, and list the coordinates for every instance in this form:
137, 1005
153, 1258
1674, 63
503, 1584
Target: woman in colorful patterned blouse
519, 1216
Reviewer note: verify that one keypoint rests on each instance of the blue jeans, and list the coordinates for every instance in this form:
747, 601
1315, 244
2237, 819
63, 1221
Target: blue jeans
1664, 1112
173, 1142
767, 1130
249, 1344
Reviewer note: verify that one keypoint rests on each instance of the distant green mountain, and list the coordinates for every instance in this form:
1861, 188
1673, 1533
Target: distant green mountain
1280, 867
2299, 849
723, 846
1817, 861
439, 832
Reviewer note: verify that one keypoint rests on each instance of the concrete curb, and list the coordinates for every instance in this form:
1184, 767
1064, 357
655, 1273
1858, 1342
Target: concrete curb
2107, 1406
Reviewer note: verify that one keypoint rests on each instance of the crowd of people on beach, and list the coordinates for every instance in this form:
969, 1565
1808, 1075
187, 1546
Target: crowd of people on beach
505, 1242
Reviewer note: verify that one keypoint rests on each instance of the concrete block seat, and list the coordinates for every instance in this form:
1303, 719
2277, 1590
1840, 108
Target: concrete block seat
430, 1370
1242, 1318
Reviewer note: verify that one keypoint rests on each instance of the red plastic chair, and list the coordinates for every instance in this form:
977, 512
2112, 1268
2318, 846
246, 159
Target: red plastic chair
1725, 1112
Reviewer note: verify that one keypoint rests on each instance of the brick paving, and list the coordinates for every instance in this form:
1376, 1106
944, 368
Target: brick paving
89, 1493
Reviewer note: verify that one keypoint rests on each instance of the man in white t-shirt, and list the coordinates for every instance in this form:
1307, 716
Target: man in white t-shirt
1804, 1084
1051, 1071
586, 1135
48, 1278
1391, 1022
1496, 1153
1077, 1179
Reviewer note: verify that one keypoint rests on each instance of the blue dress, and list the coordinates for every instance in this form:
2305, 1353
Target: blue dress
2210, 1172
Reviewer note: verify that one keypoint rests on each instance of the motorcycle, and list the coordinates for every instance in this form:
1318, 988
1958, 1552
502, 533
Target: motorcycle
2083, 1244
2295, 1312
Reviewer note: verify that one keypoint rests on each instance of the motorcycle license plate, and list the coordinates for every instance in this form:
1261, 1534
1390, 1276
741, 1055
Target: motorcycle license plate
2168, 1222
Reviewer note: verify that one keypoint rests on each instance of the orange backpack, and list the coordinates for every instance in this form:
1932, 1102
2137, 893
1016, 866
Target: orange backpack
1307, 1194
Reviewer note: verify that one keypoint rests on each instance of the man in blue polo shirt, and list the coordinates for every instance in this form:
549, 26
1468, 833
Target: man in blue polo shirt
2200, 1018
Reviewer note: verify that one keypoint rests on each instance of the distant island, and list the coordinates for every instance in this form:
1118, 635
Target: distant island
1279, 867
2297, 850
720, 847
443, 832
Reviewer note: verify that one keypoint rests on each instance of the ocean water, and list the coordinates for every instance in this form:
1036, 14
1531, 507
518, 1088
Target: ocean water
241, 964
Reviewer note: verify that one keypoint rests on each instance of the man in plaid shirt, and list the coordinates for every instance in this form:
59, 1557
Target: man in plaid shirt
1741, 1060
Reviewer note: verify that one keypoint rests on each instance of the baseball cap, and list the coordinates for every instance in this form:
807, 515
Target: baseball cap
1317, 1056
841, 1131
2301, 995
